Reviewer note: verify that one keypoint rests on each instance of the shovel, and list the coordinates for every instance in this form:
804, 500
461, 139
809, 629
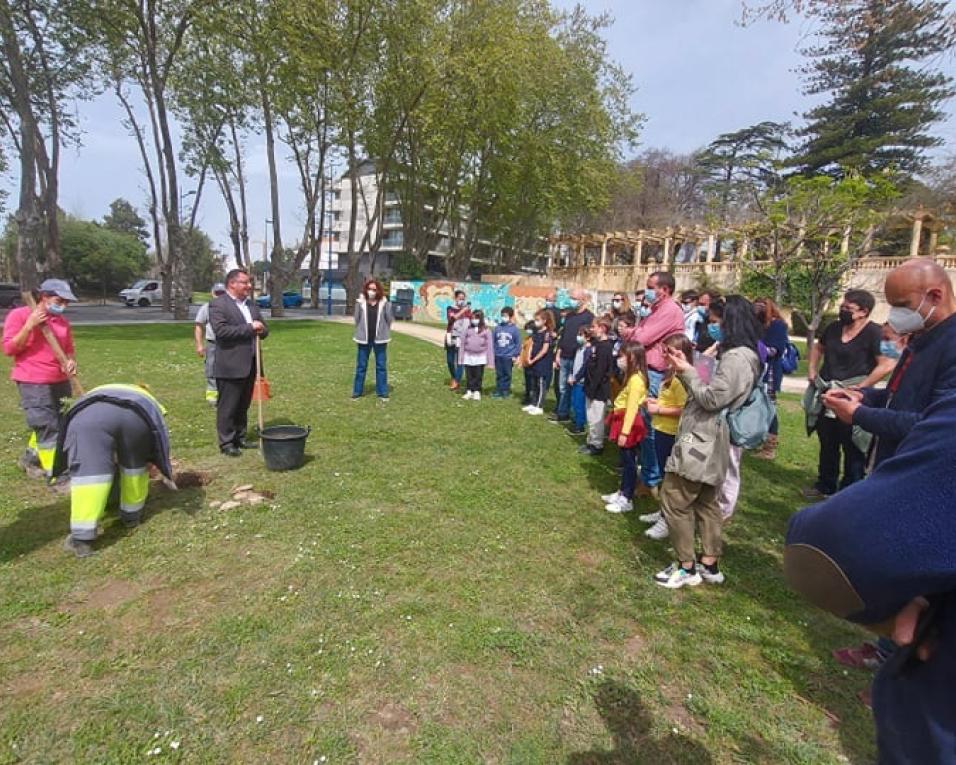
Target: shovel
51, 340
260, 390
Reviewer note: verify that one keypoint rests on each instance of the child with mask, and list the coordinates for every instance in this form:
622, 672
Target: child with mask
507, 342
627, 427
597, 385
576, 381
524, 361
476, 352
541, 359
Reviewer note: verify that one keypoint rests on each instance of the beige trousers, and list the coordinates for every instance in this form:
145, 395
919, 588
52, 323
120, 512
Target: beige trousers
686, 504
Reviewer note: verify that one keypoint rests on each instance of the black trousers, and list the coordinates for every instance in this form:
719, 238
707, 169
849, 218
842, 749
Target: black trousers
232, 408
474, 375
836, 437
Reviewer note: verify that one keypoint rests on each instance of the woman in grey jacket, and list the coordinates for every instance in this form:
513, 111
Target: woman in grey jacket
373, 322
701, 454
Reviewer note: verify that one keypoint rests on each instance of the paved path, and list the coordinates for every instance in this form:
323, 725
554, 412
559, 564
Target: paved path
436, 336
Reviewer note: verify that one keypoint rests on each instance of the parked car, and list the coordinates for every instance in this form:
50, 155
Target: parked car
290, 299
143, 293
9, 295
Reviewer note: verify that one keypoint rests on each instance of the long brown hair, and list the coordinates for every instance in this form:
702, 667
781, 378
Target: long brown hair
679, 342
379, 290
770, 311
636, 358
546, 317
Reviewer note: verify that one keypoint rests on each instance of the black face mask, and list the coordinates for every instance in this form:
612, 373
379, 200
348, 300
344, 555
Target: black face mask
846, 317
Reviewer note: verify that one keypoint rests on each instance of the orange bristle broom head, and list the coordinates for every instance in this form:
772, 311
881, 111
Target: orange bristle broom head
260, 391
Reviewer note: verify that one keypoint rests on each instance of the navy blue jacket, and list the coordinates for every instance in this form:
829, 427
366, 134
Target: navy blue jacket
870, 549
776, 337
926, 372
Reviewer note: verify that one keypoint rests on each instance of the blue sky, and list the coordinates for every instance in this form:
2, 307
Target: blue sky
697, 75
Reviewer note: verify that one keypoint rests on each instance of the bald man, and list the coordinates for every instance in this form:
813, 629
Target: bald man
923, 307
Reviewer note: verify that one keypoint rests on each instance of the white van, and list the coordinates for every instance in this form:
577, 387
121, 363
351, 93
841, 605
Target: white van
143, 293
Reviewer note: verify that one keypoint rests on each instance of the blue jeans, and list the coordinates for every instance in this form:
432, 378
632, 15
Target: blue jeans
361, 367
503, 365
578, 405
664, 444
454, 368
565, 367
651, 472
629, 472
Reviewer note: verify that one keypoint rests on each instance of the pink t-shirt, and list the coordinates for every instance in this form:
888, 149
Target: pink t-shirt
666, 319
36, 362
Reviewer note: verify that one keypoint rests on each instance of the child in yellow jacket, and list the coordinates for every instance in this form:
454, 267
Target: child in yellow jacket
627, 411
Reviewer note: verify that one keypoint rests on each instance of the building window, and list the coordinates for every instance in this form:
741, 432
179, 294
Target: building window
393, 238
393, 215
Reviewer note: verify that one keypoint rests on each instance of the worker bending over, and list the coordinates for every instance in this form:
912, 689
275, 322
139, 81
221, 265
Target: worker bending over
113, 428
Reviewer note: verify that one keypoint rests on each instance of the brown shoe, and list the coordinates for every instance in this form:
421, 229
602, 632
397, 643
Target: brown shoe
453, 385
769, 449
643, 490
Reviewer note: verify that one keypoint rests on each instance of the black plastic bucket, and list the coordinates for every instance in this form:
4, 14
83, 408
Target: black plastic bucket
283, 446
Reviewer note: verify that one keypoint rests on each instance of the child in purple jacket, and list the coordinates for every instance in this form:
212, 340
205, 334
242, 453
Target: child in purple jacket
477, 351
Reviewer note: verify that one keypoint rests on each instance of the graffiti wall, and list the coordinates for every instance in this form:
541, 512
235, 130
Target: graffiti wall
432, 298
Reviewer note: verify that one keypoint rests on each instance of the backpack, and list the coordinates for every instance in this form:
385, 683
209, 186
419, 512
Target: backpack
749, 424
790, 359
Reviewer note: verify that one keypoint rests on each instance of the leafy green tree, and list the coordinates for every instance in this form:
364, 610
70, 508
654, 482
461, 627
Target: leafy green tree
875, 65
99, 259
124, 219
205, 263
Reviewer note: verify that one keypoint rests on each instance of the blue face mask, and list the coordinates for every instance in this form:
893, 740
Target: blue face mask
650, 295
644, 311
55, 308
549, 302
702, 311
503, 320
580, 340
715, 333
888, 348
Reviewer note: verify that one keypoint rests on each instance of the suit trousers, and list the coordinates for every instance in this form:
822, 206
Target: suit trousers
232, 408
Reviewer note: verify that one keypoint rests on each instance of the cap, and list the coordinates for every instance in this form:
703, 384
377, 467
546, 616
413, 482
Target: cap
217, 288
59, 288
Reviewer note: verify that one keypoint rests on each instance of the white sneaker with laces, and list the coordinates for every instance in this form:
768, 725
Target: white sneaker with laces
679, 578
620, 505
664, 574
708, 577
658, 530
650, 517
536, 410
608, 498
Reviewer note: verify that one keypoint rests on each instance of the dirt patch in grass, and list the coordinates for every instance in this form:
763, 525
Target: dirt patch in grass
109, 595
635, 646
394, 718
590, 559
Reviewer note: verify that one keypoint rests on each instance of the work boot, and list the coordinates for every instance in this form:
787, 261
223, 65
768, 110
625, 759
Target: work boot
59, 486
30, 465
78, 547
769, 449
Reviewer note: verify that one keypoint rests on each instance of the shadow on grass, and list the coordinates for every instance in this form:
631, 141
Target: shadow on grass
630, 726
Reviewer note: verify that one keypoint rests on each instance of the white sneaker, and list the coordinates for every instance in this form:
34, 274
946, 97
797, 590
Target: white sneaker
620, 505
467, 396
536, 410
476, 396
658, 530
650, 517
608, 498
677, 578
527, 408
717, 578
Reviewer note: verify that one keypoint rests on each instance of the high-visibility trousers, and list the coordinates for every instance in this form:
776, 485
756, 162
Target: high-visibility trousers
104, 439
41, 403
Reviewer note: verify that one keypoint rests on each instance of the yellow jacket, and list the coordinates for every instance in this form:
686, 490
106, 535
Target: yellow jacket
631, 398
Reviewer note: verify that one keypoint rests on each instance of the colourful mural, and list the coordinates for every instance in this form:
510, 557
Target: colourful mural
432, 298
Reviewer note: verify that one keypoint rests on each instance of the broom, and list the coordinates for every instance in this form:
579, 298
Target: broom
260, 390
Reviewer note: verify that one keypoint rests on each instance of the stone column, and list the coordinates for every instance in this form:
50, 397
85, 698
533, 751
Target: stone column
711, 247
933, 241
667, 249
917, 233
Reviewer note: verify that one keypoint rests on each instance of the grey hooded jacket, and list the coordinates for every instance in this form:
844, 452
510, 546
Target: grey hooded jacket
702, 448
383, 327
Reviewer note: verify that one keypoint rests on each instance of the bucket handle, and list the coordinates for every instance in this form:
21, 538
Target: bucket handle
308, 431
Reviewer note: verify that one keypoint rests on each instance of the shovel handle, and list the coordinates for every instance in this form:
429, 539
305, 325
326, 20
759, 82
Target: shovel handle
54, 344
258, 381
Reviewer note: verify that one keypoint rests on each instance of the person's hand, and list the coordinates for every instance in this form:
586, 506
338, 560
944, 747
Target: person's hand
200, 351
811, 375
904, 627
556, 364
677, 360
622, 441
652, 407
842, 404
570, 380
70, 367
36, 317
258, 327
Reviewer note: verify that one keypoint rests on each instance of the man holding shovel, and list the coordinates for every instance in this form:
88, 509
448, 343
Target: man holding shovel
238, 325
43, 376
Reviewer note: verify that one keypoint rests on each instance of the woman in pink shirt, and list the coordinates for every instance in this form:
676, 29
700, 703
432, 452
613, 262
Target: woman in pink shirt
42, 381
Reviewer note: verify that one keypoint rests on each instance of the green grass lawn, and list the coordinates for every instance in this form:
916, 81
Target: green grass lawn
439, 583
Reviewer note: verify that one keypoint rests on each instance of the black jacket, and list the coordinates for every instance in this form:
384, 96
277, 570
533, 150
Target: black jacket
568, 343
235, 340
597, 376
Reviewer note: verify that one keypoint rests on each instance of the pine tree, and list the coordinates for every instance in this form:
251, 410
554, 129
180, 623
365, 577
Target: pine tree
876, 63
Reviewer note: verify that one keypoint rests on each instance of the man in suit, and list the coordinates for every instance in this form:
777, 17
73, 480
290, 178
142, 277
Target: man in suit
237, 322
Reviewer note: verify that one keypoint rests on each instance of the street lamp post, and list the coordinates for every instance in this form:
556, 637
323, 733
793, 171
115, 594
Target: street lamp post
328, 267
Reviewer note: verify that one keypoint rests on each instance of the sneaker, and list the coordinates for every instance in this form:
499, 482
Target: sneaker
78, 547
813, 494
658, 530
677, 578
620, 505
527, 408
496, 394
643, 490
555, 419
383, 399
536, 410
356, 396
467, 396
590, 451
665, 574
129, 521
476, 396
576, 431
650, 517
608, 498
709, 576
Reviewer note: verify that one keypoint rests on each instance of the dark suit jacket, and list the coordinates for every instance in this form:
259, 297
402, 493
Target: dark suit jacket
235, 340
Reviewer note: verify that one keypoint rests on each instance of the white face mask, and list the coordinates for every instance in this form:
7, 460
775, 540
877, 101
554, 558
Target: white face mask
371, 294
906, 321
475, 322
